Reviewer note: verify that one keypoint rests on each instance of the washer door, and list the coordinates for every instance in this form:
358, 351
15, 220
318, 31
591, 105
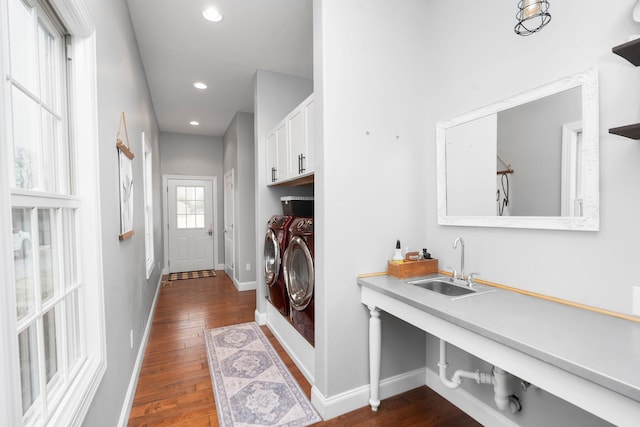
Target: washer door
298, 273
271, 258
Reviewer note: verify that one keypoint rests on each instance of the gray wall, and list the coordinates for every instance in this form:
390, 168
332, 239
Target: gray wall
530, 139
196, 155
128, 295
239, 156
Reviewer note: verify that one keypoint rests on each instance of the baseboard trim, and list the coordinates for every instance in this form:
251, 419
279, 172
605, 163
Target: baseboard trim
298, 348
133, 382
485, 414
333, 406
260, 318
244, 286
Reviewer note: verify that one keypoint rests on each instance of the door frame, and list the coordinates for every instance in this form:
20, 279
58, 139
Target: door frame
165, 214
232, 272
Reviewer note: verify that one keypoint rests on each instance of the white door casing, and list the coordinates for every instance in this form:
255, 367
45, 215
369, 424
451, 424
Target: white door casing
229, 215
190, 220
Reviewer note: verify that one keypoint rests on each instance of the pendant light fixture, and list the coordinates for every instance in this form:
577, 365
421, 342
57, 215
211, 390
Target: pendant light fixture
532, 16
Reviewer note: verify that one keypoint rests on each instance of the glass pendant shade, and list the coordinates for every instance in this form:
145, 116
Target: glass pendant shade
532, 16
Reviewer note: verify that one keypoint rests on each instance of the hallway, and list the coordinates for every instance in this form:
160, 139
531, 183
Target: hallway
174, 388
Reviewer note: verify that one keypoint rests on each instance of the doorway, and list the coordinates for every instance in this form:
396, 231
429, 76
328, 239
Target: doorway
190, 219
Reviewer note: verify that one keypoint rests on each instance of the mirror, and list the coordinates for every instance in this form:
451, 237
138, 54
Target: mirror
530, 161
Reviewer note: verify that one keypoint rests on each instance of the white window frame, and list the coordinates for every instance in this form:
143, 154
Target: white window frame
84, 128
147, 172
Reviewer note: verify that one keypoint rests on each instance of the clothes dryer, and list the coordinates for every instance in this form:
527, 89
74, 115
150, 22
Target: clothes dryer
299, 276
275, 244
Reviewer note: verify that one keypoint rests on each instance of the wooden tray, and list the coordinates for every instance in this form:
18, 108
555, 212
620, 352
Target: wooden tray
404, 269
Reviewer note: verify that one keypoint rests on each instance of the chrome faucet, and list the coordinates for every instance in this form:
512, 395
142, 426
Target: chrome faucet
455, 246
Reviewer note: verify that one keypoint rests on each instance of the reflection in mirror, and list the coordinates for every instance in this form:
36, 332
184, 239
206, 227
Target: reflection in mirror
530, 161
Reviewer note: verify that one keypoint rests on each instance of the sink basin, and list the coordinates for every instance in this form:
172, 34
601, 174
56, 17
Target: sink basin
444, 286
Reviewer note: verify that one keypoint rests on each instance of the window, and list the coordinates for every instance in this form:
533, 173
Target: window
190, 206
148, 206
55, 358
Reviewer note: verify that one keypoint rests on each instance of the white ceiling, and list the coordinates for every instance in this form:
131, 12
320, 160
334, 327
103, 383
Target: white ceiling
178, 47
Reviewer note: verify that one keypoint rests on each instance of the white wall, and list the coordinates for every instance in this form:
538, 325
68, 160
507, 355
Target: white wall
128, 294
495, 64
487, 63
370, 74
470, 165
196, 155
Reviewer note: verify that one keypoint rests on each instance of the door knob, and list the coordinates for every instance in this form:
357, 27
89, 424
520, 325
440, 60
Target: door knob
210, 231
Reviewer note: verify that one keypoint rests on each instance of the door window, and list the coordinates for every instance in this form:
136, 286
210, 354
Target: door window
190, 206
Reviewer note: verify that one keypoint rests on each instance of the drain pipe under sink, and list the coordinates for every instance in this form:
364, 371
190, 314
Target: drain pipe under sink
505, 400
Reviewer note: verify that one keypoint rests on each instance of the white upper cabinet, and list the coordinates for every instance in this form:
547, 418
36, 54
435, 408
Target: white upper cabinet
277, 154
290, 145
300, 123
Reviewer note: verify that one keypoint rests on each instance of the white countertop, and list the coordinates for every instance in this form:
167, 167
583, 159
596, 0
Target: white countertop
600, 348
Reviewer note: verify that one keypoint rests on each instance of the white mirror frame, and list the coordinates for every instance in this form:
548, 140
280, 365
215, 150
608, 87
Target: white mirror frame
590, 221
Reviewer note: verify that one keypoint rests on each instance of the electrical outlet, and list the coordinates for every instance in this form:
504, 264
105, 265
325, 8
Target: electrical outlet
248, 267
131, 338
635, 306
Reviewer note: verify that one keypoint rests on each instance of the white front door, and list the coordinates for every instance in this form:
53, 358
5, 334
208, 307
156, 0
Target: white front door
190, 224
229, 213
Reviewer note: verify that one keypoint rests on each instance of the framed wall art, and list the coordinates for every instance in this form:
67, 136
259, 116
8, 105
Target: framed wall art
125, 169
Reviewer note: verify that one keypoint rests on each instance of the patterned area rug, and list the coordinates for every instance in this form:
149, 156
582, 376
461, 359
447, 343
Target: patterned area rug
192, 275
252, 386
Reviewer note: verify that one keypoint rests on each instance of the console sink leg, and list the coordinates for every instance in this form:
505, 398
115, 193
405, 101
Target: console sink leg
375, 345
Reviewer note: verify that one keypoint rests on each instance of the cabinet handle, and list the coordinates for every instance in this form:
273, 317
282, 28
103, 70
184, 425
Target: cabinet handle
273, 174
301, 167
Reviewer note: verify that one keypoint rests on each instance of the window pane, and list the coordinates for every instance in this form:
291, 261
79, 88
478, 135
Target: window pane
181, 193
50, 344
48, 153
191, 221
181, 207
199, 193
73, 329
25, 140
46, 50
23, 45
191, 193
199, 221
191, 206
69, 244
23, 261
28, 367
47, 254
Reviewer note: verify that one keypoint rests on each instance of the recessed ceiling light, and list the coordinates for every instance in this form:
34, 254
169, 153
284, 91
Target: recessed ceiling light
200, 85
212, 14
194, 123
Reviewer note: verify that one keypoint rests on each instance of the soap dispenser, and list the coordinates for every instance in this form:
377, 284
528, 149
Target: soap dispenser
398, 254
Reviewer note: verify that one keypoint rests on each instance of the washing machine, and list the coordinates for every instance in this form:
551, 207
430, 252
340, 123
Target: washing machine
299, 276
275, 244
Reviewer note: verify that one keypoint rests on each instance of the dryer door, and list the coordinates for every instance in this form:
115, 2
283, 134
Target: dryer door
298, 273
271, 258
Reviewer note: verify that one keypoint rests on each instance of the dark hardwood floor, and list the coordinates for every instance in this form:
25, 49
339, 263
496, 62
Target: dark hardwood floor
174, 388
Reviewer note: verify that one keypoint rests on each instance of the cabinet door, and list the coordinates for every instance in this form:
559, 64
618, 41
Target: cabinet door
272, 157
282, 171
300, 123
